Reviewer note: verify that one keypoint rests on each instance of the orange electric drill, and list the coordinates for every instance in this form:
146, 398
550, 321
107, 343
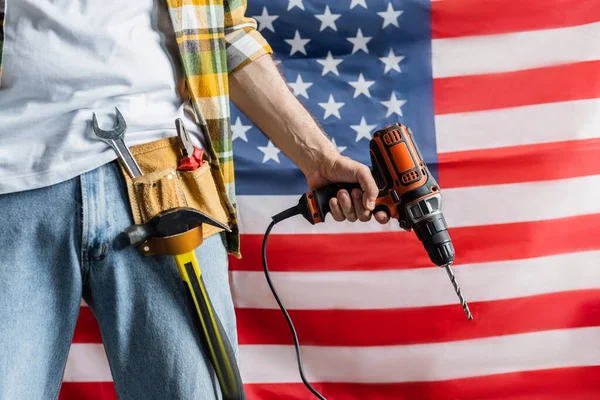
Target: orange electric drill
407, 192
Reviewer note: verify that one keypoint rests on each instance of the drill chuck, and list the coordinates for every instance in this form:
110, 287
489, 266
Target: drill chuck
433, 234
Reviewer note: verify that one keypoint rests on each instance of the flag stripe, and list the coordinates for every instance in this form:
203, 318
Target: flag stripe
579, 383
88, 391
545, 123
514, 51
424, 362
384, 327
388, 364
422, 287
87, 363
455, 18
370, 252
519, 88
87, 329
554, 199
526, 163
574, 383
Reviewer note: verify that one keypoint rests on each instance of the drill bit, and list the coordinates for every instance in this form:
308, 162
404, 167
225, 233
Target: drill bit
463, 302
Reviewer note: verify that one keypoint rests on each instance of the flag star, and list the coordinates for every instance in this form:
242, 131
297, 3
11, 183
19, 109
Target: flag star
363, 130
330, 64
360, 42
300, 86
390, 16
332, 108
340, 149
391, 61
265, 20
270, 152
239, 130
361, 86
297, 44
295, 3
328, 19
358, 3
393, 105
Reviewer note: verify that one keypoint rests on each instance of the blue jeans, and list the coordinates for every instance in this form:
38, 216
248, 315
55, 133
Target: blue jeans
55, 248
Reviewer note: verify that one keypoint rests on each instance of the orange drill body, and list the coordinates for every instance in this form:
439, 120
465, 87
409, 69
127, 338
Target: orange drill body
407, 192
402, 176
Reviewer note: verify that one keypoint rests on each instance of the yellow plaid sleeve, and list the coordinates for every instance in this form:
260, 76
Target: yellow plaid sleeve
244, 43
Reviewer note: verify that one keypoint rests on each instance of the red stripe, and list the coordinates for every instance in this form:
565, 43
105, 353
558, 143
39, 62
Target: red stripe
454, 18
525, 163
520, 88
578, 383
373, 251
87, 329
87, 391
573, 309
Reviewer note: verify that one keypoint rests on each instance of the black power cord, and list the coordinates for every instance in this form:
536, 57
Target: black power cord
278, 218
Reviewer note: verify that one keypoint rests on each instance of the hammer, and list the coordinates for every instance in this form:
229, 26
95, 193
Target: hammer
178, 232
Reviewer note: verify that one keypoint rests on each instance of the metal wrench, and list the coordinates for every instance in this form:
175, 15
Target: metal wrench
114, 138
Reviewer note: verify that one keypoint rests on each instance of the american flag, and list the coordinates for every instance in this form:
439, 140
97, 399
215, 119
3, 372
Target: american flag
503, 99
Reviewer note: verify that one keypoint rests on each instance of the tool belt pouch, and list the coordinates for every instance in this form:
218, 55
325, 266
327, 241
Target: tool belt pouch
163, 187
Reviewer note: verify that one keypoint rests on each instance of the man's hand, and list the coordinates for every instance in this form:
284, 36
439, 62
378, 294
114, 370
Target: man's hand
357, 205
259, 90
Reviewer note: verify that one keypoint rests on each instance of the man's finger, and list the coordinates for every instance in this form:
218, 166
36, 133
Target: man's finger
346, 205
382, 217
336, 211
368, 185
363, 214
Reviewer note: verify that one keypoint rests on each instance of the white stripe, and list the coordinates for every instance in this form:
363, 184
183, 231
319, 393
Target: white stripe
422, 287
521, 202
470, 206
427, 362
87, 363
543, 123
515, 51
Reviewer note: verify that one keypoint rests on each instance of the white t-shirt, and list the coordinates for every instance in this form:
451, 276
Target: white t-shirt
65, 60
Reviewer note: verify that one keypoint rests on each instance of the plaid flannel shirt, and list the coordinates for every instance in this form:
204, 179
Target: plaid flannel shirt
215, 39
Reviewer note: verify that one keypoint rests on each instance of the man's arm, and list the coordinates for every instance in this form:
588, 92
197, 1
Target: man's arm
259, 90
261, 93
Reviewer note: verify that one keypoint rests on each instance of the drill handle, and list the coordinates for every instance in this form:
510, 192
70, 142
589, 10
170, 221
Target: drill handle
314, 205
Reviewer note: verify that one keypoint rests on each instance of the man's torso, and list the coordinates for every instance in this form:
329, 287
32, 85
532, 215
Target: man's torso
65, 60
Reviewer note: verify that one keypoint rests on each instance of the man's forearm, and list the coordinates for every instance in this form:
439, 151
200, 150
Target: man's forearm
262, 94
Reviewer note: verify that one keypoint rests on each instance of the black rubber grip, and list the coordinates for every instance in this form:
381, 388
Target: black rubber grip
323, 195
